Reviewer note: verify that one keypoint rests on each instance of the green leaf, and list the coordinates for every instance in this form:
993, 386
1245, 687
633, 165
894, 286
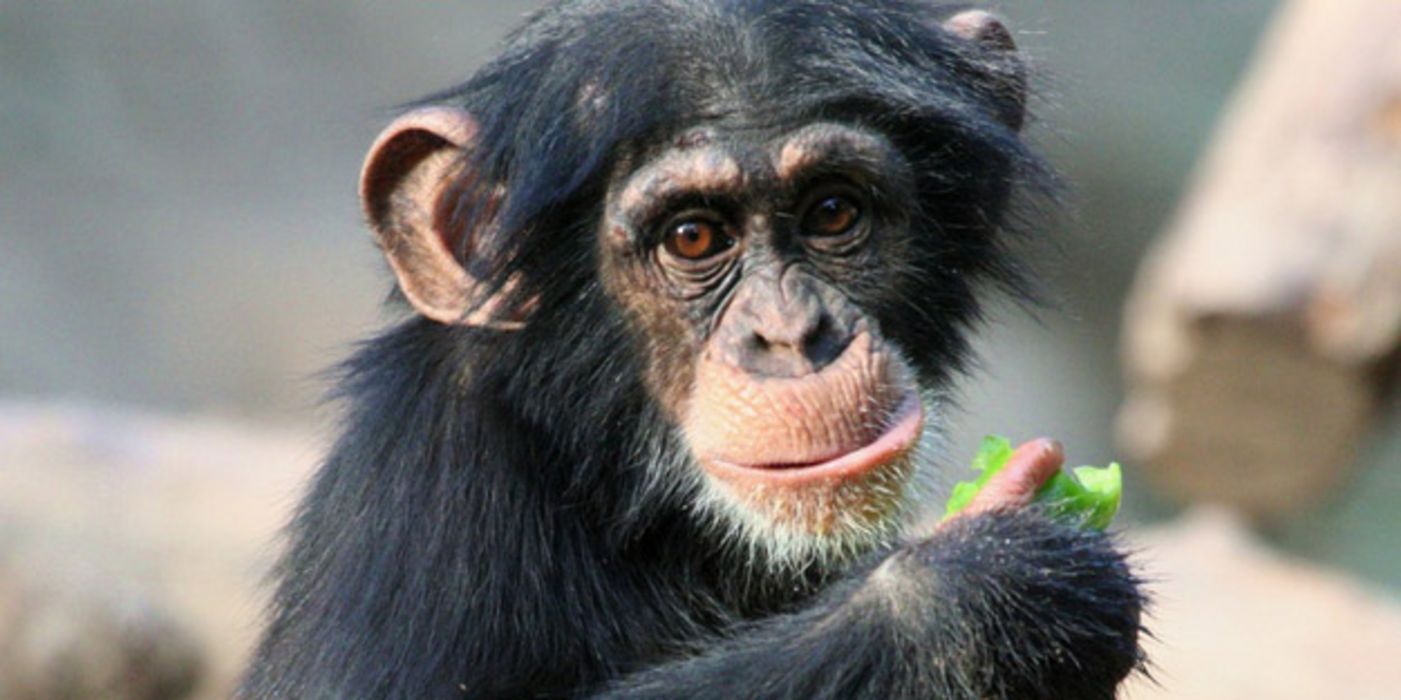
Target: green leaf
1088, 496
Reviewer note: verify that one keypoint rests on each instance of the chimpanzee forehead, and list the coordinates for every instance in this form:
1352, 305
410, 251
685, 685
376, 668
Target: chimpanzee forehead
708, 160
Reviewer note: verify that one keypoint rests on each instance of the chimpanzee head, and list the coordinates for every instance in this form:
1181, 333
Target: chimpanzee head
778, 214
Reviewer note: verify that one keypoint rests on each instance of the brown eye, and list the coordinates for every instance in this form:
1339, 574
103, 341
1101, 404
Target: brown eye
831, 216
697, 239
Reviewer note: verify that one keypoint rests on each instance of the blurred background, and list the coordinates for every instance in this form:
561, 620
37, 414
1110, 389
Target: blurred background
181, 254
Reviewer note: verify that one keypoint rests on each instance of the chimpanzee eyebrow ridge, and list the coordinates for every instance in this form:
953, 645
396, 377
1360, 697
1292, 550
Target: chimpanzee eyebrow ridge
706, 170
830, 145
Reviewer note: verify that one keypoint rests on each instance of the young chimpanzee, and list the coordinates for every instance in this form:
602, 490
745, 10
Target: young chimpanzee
688, 275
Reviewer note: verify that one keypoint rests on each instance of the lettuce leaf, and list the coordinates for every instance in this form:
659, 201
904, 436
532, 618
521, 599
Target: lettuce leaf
1088, 496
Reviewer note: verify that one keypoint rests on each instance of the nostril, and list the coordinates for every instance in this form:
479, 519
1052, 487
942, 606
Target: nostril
823, 344
819, 330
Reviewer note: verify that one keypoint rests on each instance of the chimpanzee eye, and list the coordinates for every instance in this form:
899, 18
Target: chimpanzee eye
831, 216
697, 239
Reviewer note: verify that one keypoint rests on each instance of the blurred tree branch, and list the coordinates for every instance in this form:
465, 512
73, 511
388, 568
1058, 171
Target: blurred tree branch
1263, 327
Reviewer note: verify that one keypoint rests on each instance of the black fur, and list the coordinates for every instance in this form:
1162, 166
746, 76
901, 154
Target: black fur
485, 527
1000, 606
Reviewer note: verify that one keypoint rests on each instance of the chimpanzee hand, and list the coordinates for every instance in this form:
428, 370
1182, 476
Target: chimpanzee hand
1043, 609
1029, 467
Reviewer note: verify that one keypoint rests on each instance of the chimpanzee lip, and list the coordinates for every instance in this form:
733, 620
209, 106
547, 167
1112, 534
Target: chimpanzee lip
898, 439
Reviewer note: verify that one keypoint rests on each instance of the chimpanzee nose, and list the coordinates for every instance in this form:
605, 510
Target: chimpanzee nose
793, 346
789, 339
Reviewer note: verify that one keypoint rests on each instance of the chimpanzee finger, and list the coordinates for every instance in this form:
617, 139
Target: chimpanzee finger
1029, 467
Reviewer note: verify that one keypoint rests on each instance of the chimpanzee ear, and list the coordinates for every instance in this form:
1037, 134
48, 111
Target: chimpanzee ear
410, 187
1008, 73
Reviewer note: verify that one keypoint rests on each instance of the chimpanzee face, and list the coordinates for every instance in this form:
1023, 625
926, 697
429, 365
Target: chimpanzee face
796, 268
749, 267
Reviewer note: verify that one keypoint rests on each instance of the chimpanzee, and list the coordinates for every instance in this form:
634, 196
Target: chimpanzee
690, 278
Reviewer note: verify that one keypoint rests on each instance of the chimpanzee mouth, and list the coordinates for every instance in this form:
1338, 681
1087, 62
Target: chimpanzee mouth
901, 434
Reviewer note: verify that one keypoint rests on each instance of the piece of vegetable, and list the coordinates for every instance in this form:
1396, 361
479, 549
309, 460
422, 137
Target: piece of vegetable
1086, 495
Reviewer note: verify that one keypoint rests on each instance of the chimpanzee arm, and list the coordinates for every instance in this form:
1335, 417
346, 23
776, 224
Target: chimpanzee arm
1000, 605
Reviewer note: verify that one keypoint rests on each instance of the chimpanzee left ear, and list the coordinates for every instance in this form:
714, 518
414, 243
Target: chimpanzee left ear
1008, 73
410, 188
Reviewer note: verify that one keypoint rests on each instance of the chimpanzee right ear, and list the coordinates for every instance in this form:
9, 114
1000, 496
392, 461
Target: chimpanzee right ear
410, 189
1007, 71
